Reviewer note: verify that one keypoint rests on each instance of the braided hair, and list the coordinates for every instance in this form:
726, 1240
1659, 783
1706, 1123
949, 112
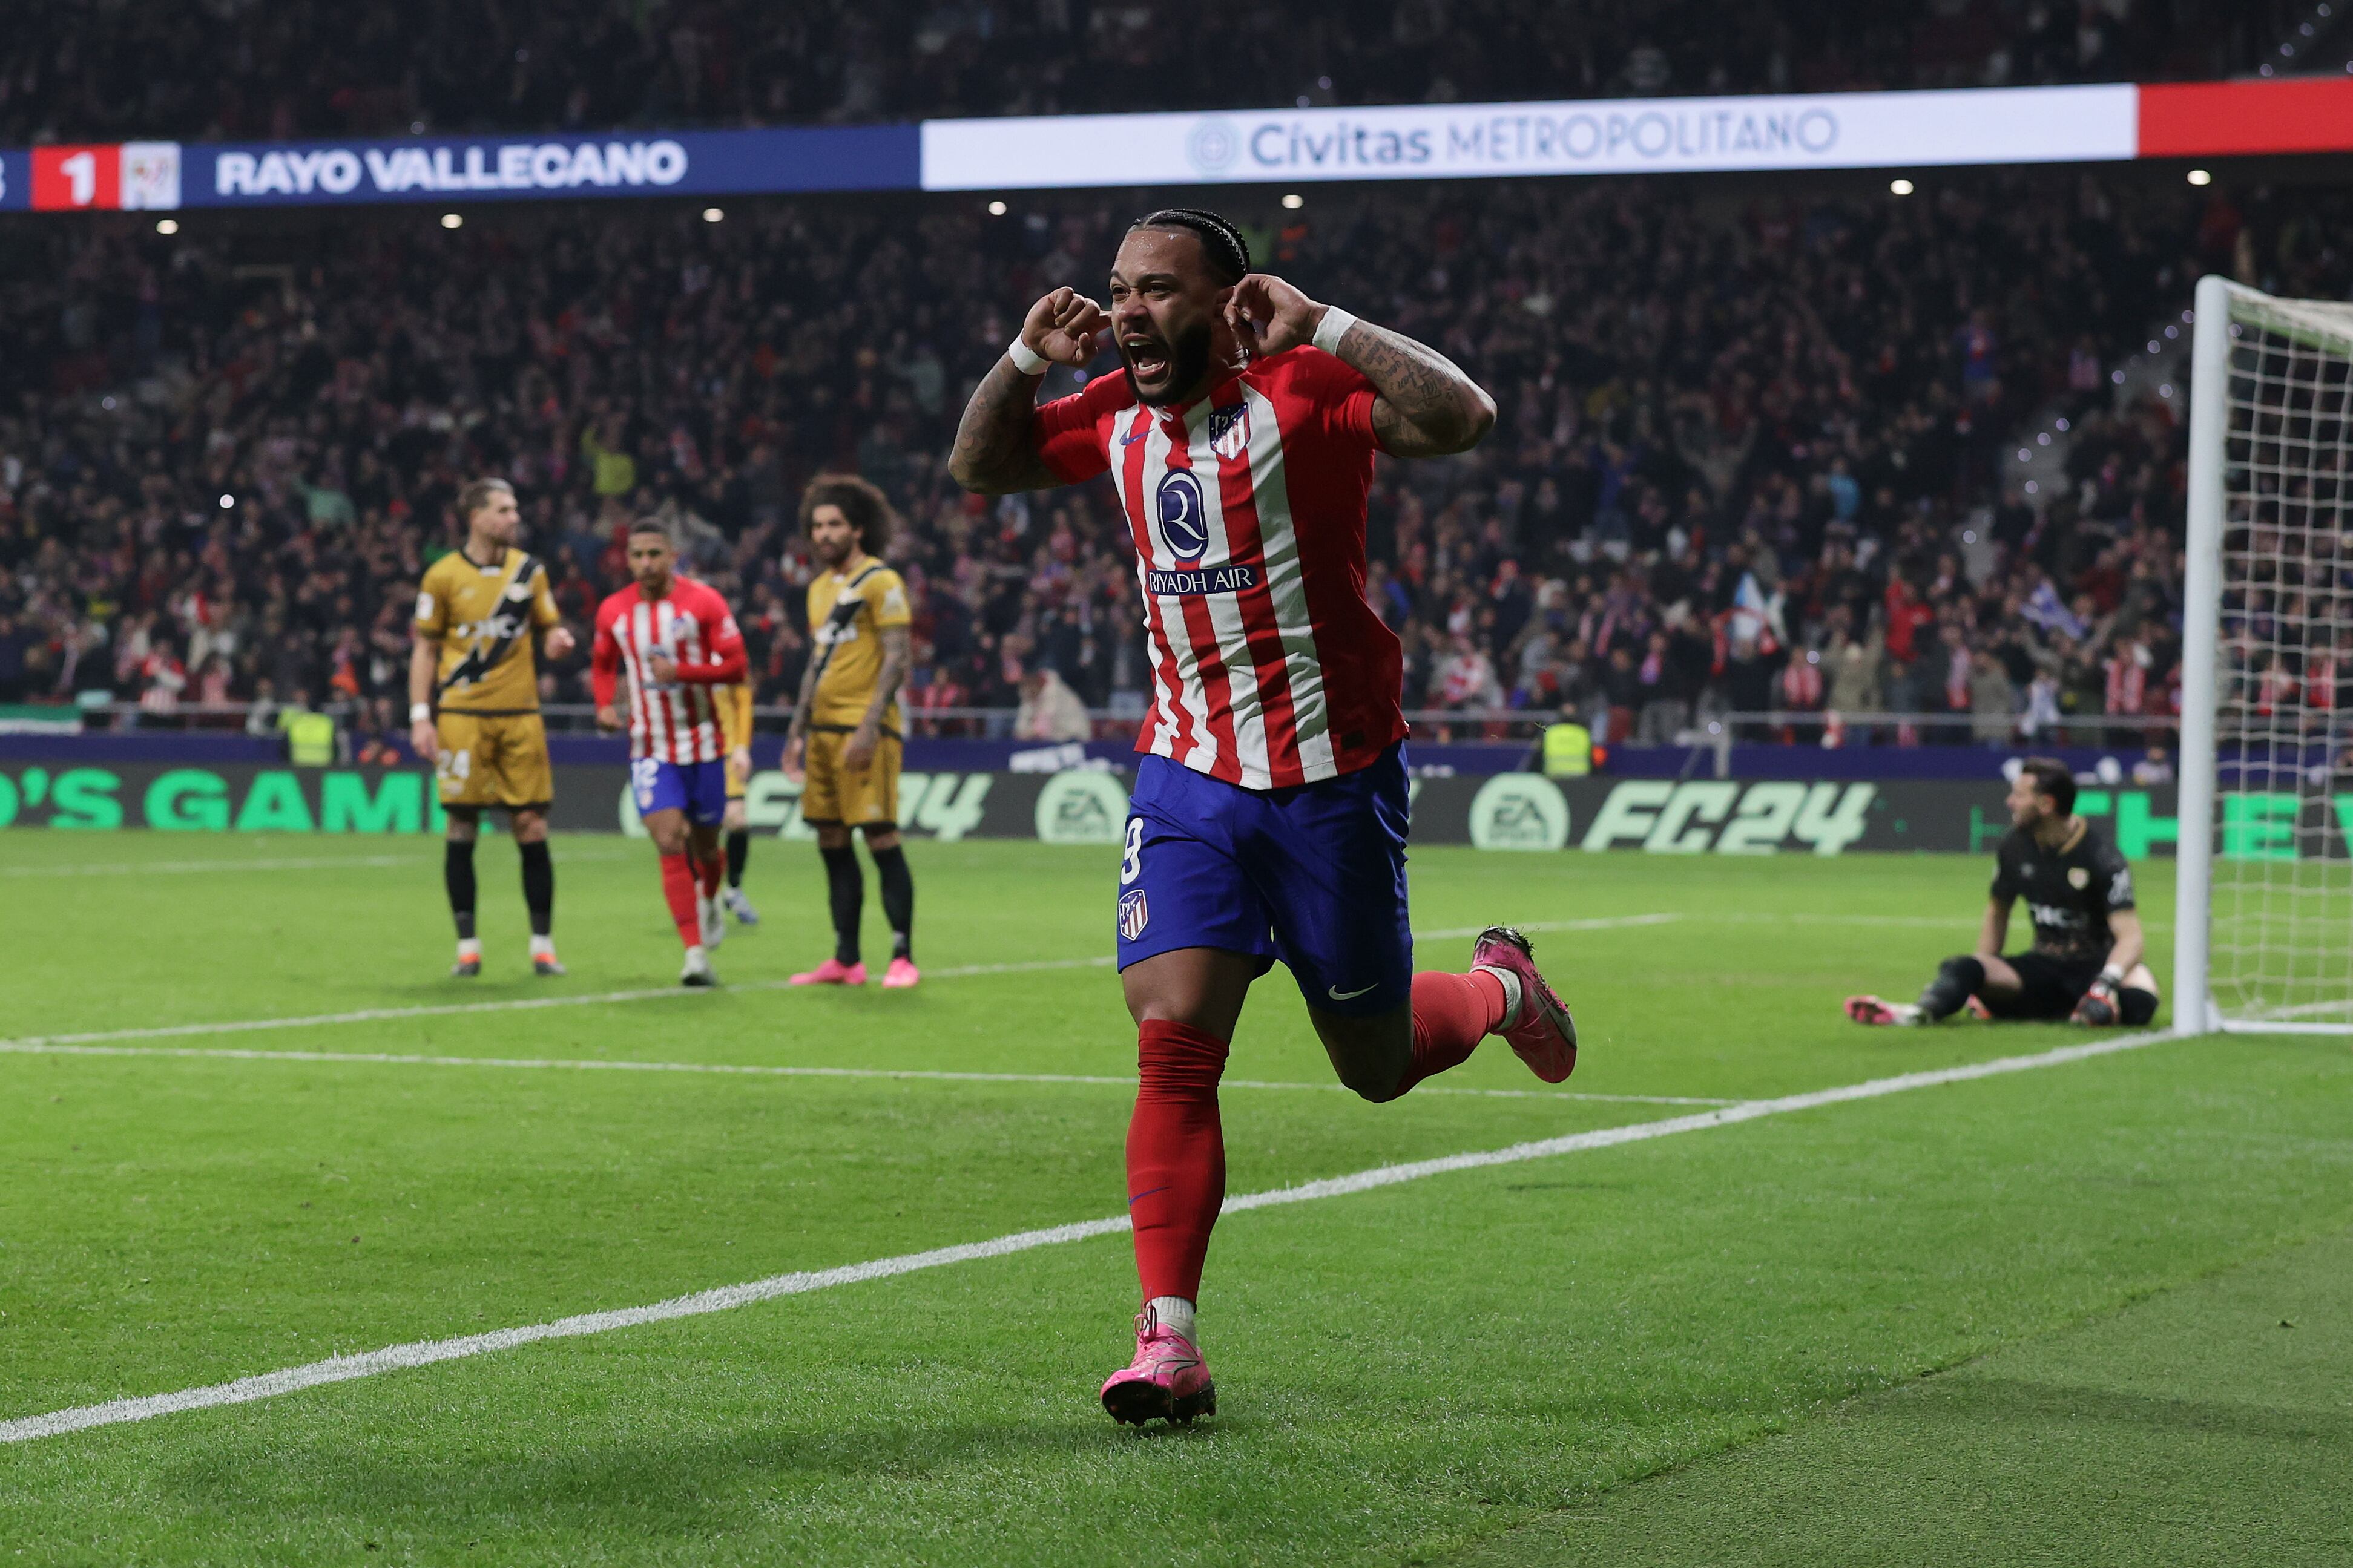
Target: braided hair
1221, 242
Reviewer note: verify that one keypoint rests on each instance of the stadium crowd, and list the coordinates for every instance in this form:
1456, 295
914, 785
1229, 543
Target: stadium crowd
1748, 456
232, 70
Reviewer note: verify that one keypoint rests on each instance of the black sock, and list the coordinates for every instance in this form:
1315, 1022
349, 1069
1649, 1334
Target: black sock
538, 887
457, 876
845, 890
1956, 980
2136, 1006
898, 897
739, 849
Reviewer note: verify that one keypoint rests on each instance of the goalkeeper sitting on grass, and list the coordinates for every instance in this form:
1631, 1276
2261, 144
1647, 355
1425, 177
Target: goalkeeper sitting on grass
2085, 964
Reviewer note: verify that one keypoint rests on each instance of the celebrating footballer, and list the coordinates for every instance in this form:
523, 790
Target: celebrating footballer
1269, 815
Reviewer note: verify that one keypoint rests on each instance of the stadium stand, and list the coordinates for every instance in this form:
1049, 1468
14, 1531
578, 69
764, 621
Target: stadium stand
1748, 457
240, 68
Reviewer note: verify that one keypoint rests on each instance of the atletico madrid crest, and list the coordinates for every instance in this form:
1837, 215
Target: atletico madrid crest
1229, 431
1135, 914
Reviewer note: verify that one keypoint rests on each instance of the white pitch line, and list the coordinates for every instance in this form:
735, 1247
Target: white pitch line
427, 1353
757, 1069
669, 993
519, 1003
1798, 918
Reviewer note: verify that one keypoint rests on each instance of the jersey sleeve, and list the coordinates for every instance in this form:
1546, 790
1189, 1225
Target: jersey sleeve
886, 597
2005, 874
735, 716
1068, 435
2112, 881
1345, 394
605, 655
432, 618
725, 661
543, 611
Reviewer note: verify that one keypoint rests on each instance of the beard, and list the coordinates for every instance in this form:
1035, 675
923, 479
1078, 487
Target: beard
1188, 357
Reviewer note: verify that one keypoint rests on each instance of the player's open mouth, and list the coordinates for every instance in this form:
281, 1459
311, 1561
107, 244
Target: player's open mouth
1146, 357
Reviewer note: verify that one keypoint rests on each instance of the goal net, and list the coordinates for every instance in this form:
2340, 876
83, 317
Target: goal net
2265, 938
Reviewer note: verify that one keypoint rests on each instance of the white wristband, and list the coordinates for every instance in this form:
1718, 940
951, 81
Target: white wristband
1027, 360
418, 713
1333, 327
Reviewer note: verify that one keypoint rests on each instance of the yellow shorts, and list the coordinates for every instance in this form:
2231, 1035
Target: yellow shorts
835, 796
493, 759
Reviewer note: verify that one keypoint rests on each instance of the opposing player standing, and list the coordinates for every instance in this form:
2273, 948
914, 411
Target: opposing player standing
680, 646
2085, 965
735, 729
844, 737
473, 708
1268, 817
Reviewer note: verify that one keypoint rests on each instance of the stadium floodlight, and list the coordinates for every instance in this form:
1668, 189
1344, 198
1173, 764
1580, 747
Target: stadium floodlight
2264, 907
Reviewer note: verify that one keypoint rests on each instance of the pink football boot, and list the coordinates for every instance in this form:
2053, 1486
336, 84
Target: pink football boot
1544, 1034
1167, 1378
902, 975
832, 972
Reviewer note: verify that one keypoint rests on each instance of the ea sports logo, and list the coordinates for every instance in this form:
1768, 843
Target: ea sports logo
1184, 522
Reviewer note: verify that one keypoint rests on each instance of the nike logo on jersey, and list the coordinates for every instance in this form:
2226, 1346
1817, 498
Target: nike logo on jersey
1132, 440
1339, 995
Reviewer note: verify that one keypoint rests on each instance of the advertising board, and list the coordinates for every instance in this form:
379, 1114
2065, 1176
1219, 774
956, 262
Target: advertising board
1501, 811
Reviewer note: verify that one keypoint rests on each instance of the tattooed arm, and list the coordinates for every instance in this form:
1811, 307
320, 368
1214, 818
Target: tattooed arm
1426, 408
995, 451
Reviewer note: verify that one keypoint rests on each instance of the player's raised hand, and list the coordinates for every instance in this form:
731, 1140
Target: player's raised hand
1065, 327
1267, 315
560, 642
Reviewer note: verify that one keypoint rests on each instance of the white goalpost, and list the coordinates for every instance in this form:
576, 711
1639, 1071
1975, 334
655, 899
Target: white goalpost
2263, 940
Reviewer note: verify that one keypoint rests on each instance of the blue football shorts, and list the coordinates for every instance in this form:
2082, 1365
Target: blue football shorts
1312, 874
698, 789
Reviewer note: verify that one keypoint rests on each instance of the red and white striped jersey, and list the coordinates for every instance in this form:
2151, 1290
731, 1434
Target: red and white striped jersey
1269, 667
675, 721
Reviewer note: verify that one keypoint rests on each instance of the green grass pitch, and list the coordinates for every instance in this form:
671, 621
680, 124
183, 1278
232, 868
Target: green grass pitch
1715, 1347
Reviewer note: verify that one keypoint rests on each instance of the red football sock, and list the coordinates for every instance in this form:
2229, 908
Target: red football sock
1175, 1155
1452, 1013
678, 887
707, 874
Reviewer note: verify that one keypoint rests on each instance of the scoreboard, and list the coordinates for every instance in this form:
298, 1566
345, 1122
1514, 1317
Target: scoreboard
127, 176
